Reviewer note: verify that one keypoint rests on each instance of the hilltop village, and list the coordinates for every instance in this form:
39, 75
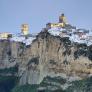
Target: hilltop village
55, 58
61, 28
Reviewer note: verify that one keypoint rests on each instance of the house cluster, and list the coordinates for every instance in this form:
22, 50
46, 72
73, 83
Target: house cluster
24, 32
62, 29
23, 36
75, 35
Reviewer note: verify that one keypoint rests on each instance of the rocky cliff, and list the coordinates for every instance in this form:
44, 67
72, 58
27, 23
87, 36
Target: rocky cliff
51, 55
48, 55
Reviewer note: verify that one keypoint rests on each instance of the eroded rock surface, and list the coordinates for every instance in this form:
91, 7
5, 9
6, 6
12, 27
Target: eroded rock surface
54, 56
48, 55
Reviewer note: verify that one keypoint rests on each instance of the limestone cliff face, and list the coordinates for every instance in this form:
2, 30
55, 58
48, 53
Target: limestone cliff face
10, 53
54, 56
47, 56
6, 54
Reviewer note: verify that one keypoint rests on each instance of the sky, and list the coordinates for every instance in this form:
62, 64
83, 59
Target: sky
37, 13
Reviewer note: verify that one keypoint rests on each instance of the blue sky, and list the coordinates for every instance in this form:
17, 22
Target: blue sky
37, 13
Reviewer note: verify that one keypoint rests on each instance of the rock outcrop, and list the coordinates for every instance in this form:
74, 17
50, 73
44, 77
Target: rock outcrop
48, 55
51, 55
